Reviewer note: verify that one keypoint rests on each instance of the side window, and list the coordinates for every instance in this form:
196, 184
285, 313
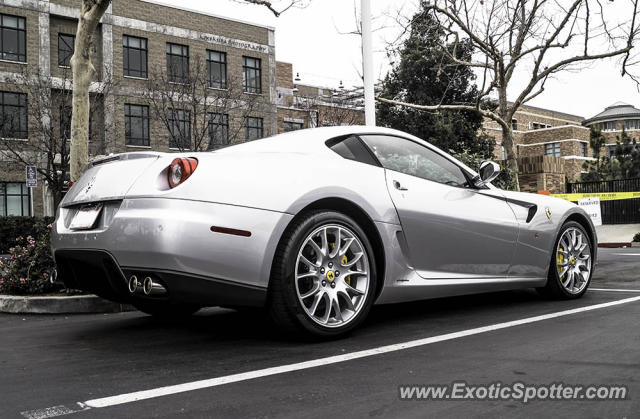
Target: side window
406, 156
351, 148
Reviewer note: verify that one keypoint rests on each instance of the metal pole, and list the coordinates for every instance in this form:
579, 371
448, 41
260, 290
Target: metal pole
367, 63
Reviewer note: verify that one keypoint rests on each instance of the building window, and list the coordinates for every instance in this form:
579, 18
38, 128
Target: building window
253, 128
218, 130
632, 124
552, 149
179, 128
291, 126
14, 199
13, 38
514, 124
583, 149
177, 63
134, 56
611, 149
136, 124
217, 69
65, 122
66, 45
251, 75
538, 125
609, 126
13, 115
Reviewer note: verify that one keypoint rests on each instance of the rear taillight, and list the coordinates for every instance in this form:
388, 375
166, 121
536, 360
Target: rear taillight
181, 169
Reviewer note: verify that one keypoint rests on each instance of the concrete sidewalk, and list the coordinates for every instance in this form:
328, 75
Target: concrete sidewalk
617, 233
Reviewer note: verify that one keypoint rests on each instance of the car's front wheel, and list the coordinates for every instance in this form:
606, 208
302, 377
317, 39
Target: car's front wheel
571, 263
324, 275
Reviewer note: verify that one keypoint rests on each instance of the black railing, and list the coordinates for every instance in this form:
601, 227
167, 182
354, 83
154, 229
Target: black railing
622, 211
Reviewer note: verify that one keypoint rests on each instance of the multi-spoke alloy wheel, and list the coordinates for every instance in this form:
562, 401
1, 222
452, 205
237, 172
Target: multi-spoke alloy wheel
324, 276
573, 260
332, 275
572, 263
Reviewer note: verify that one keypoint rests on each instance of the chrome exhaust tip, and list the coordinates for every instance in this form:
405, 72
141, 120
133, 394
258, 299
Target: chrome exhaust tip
133, 283
149, 287
54, 276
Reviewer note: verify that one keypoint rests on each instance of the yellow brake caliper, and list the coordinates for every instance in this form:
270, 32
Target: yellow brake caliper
560, 260
342, 261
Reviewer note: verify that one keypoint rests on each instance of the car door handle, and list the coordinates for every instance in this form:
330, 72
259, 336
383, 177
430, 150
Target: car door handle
398, 186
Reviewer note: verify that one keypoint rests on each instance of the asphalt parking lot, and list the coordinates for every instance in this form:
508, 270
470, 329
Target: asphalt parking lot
53, 365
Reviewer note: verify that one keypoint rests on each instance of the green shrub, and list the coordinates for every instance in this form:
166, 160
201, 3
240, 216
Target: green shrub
29, 269
636, 238
12, 227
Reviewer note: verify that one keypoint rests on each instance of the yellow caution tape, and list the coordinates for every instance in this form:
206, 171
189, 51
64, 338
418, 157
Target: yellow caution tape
604, 196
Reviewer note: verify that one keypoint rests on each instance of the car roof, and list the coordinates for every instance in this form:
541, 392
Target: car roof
312, 141
309, 140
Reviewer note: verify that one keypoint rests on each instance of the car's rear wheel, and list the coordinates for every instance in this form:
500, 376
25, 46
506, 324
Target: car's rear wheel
571, 263
324, 277
165, 310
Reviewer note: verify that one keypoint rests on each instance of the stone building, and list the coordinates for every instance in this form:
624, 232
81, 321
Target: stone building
612, 120
551, 147
135, 43
304, 106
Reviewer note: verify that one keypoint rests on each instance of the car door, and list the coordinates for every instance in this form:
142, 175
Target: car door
452, 229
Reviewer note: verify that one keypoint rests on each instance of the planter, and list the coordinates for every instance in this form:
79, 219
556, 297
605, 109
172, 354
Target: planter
59, 304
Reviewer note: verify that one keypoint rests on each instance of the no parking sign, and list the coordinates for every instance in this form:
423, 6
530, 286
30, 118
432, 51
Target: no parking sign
592, 207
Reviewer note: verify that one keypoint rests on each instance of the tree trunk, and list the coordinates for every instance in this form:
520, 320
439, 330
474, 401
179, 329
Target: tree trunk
509, 147
83, 72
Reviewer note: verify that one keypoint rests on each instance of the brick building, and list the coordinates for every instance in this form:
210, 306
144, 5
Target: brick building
304, 106
551, 147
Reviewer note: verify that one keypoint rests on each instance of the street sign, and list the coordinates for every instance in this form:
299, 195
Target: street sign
592, 207
32, 176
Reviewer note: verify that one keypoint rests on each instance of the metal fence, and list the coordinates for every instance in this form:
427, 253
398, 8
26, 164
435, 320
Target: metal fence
623, 211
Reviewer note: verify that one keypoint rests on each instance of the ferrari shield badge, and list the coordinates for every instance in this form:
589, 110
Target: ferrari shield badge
547, 211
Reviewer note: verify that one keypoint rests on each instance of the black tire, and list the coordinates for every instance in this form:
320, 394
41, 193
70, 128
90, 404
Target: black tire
553, 288
283, 304
166, 310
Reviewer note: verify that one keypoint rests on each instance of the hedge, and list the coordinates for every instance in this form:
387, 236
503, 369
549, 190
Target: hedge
12, 227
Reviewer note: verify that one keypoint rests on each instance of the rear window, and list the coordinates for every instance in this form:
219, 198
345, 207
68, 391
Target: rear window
352, 148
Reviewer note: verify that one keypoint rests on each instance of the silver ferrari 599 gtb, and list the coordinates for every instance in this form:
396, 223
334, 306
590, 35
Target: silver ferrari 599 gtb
314, 225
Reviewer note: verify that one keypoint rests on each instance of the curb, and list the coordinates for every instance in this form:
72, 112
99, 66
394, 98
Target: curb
59, 304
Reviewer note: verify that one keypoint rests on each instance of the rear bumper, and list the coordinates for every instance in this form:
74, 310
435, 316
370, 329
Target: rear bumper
171, 240
96, 271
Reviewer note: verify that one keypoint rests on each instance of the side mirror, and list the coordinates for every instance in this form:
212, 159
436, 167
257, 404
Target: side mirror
488, 171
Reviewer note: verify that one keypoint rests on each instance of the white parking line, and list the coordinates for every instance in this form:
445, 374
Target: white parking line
250, 375
613, 289
626, 254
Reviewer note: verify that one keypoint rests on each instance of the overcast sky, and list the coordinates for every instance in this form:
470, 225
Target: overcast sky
310, 39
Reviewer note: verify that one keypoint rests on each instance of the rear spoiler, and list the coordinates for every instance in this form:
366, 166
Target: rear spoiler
122, 156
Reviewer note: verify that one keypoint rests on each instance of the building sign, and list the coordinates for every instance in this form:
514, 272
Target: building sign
592, 207
234, 43
32, 177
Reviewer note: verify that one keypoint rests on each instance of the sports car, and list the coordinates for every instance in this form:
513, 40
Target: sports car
314, 225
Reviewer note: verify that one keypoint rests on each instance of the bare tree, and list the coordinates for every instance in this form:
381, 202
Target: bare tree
539, 38
49, 117
278, 7
83, 73
199, 111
